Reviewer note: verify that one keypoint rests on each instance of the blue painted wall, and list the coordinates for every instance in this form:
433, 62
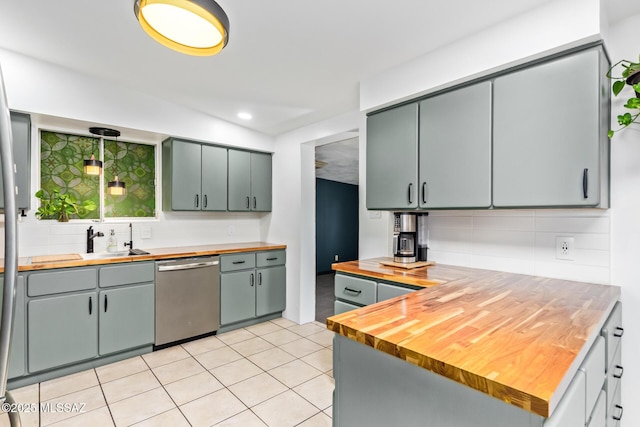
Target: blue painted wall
336, 223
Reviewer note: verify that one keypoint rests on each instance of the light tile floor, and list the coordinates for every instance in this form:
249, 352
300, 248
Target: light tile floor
275, 374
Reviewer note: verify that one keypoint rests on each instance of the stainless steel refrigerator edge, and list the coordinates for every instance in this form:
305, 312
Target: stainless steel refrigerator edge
10, 248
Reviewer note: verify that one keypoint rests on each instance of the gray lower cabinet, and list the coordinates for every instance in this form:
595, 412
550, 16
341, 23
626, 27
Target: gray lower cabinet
550, 146
392, 153
455, 160
62, 330
252, 285
21, 133
78, 314
126, 318
17, 362
249, 181
237, 296
270, 290
353, 292
194, 176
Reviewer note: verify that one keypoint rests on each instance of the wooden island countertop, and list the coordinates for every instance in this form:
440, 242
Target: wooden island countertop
515, 337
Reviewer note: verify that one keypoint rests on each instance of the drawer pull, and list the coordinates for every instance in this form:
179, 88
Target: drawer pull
355, 291
619, 417
619, 375
238, 262
619, 332
272, 259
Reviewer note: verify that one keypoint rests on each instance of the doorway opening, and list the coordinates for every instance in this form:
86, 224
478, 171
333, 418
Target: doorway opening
337, 217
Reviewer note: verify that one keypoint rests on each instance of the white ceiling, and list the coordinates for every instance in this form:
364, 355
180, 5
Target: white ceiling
288, 62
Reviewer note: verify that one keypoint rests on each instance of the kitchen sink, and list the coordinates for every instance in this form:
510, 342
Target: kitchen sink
105, 255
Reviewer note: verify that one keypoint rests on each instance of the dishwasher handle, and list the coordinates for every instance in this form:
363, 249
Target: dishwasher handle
189, 266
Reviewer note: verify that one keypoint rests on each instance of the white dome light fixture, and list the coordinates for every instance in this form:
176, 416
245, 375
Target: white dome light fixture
194, 27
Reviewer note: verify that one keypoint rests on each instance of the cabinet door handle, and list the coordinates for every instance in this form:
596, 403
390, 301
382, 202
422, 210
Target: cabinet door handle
197, 200
619, 416
410, 193
204, 202
355, 291
248, 206
424, 192
252, 278
619, 332
105, 303
619, 375
585, 183
259, 279
238, 262
90, 305
254, 202
272, 259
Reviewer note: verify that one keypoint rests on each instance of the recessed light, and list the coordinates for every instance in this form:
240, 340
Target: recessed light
245, 116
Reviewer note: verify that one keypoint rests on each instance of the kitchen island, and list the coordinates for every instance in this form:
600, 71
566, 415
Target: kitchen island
474, 348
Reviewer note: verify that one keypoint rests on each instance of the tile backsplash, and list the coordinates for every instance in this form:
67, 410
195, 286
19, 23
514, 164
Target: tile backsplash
524, 241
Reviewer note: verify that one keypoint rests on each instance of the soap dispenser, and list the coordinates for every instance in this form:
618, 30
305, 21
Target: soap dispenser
112, 243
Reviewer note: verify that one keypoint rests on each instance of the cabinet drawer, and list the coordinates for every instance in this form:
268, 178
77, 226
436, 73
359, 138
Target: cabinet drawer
594, 368
267, 259
126, 274
612, 332
60, 281
614, 412
237, 261
353, 289
614, 374
340, 307
386, 291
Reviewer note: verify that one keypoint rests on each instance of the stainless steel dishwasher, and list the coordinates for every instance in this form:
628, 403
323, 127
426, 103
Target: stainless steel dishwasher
187, 298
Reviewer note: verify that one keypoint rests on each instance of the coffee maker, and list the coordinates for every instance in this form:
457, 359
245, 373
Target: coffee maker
404, 237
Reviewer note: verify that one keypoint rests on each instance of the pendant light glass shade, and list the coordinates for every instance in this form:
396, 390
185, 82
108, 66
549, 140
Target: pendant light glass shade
92, 166
116, 187
194, 27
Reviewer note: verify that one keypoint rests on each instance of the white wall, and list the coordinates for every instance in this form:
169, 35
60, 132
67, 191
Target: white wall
292, 220
59, 99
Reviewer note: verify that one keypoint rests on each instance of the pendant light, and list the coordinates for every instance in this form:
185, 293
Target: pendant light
116, 187
194, 27
91, 165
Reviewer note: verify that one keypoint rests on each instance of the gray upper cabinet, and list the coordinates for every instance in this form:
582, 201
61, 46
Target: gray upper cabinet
249, 181
455, 149
214, 178
194, 176
392, 158
21, 132
550, 147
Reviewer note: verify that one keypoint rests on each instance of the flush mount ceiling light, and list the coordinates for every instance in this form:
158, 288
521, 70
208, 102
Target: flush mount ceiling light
194, 27
245, 116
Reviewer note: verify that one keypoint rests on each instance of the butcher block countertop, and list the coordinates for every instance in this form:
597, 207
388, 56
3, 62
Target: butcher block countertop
28, 264
515, 337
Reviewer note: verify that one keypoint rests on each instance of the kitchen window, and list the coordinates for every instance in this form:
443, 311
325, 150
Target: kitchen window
61, 166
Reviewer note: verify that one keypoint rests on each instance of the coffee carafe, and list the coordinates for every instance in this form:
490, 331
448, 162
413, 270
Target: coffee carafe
404, 237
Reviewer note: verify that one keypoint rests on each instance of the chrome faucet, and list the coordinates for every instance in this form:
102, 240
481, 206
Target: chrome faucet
90, 236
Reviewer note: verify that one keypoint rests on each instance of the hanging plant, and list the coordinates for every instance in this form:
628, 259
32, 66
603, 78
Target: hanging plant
60, 206
626, 73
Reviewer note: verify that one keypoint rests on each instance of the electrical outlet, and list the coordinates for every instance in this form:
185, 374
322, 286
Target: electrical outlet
565, 247
145, 232
231, 229
335, 257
